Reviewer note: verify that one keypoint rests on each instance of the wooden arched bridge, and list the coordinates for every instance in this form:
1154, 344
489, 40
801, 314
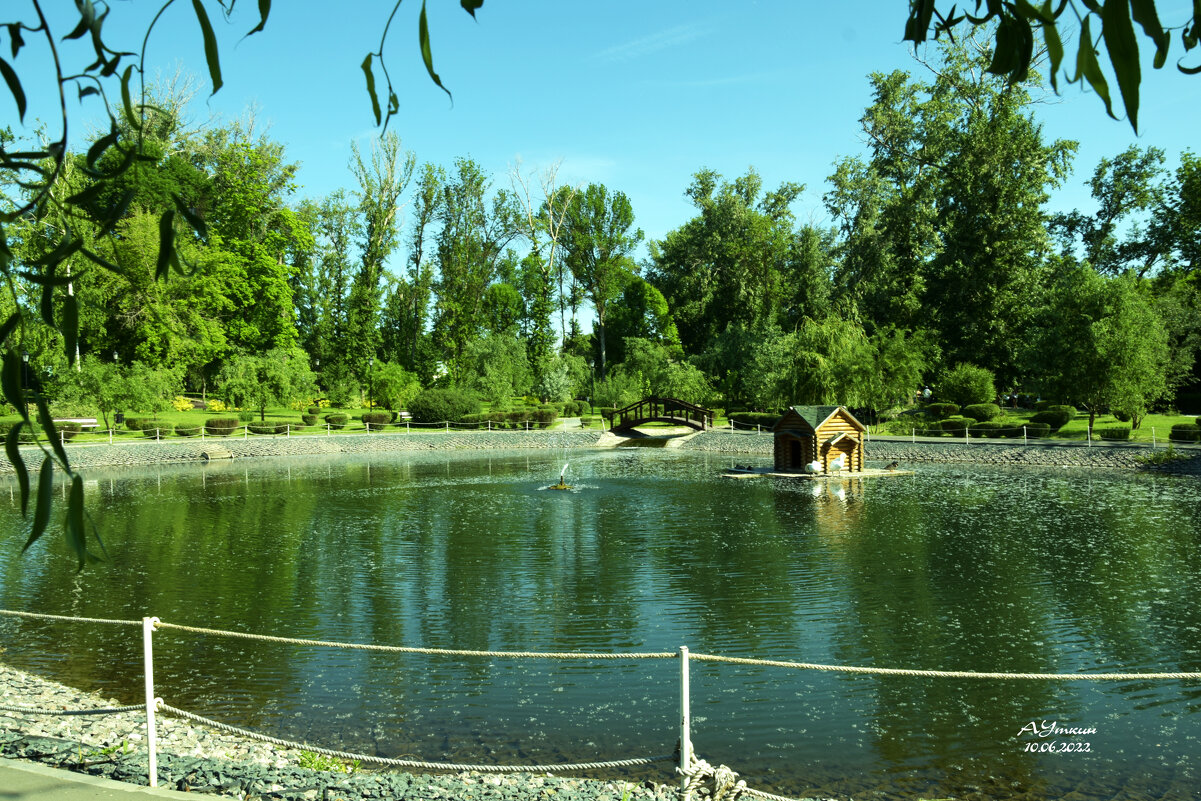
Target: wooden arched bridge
662, 410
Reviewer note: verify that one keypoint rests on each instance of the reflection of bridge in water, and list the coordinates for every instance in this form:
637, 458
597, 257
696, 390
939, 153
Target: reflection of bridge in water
662, 410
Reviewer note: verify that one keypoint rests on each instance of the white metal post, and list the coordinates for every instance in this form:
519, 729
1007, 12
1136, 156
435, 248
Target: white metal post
1152, 437
913, 436
110, 436
1088, 432
288, 431
245, 431
1025, 440
685, 725
447, 425
148, 624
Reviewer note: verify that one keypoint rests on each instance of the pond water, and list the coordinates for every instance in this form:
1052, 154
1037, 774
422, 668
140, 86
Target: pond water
954, 568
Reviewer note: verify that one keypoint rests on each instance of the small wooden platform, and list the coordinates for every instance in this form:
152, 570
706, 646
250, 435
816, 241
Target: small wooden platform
839, 476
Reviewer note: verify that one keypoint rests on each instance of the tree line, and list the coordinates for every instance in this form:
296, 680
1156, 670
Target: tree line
941, 253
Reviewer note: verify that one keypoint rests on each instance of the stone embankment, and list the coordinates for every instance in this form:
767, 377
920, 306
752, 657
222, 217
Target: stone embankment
165, 451
195, 759
1001, 452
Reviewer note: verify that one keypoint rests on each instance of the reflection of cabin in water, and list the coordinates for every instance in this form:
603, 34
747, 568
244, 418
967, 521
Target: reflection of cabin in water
818, 433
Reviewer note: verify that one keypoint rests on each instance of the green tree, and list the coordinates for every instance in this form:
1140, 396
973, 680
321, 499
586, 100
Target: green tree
731, 263
381, 184
1103, 345
965, 384
498, 368
394, 385
278, 377
599, 239
472, 240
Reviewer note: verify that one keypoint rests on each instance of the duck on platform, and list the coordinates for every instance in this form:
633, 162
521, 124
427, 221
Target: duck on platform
839, 464
892, 465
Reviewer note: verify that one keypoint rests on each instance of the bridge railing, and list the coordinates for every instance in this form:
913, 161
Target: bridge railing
653, 407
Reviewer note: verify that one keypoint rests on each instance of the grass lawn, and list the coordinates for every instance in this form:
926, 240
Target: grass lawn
1153, 426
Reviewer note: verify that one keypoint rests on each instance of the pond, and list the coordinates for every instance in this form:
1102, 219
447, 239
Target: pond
954, 568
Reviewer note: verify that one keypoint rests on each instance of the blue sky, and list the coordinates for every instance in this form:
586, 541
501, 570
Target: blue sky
637, 95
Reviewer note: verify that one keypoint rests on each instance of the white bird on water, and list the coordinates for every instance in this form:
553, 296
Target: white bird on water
840, 463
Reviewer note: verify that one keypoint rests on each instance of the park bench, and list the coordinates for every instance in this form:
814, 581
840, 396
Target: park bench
84, 422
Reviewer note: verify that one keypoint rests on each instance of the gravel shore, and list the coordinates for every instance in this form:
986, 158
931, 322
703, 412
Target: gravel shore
196, 759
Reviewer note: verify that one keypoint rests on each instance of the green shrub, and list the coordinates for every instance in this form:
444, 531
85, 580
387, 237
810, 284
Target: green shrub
1062, 407
1186, 432
310, 419
1037, 430
1010, 428
982, 412
68, 430
154, 429
967, 384
1120, 416
986, 428
186, 430
315, 411
336, 421
267, 428
752, 419
1054, 419
296, 426
956, 425
1041, 406
437, 405
246, 417
220, 426
133, 423
941, 411
545, 415
376, 420
1115, 433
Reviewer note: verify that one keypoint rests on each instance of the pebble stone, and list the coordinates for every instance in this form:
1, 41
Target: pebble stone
193, 758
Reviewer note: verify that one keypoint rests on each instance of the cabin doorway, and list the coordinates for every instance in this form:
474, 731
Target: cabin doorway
794, 453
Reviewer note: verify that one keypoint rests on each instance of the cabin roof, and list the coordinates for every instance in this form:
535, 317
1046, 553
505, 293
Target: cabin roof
815, 416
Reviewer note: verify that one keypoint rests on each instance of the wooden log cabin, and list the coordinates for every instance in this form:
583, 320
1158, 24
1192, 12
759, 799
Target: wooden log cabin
819, 433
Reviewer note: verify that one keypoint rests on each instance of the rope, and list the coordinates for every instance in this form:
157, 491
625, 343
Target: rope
726, 786
407, 650
71, 619
954, 674
112, 710
413, 763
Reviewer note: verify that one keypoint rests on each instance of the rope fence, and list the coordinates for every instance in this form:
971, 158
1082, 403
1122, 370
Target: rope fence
725, 785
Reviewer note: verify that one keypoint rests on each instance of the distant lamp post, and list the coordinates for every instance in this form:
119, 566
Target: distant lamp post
24, 370
370, 380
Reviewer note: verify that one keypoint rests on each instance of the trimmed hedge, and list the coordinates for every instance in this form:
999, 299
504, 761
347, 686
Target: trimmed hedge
982, 412
956, 425
246, 417
155, 429
1186, 432
545, 415
220, 426
309, 419
315, 411
1053, 418
336, 421
134, 423
1037, 430
1120, 416
941, 411
184, 430
987, 428
764, 419
267, 428
1114, 433
68, 430
377, 420
437, 405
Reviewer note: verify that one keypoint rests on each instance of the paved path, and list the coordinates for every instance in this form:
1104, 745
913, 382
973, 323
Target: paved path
29, 781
